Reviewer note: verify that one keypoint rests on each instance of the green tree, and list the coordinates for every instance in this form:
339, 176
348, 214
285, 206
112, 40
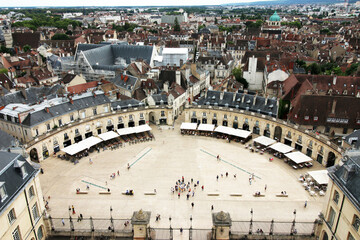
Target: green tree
3, 70
176, 25
237, 72
314, 68
26, 48
60, 36
216, 21
352, 69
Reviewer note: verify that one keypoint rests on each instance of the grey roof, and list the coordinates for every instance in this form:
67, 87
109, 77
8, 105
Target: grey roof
353, 139
124, 104
349, 186
6, 140
35, 118
241, 101
33, 95
160, 99
128, 85
11, 176
110, 57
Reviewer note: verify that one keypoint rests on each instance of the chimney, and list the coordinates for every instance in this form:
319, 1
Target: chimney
178, 77
334, 80
71, 101
94, 94
333, 107
47, 109
266, 99
254, 102
166, 86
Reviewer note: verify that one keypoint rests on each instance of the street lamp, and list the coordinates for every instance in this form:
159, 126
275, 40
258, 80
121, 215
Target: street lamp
294, 214
170, 221
251, 221
191, 221
111, 212
252, 213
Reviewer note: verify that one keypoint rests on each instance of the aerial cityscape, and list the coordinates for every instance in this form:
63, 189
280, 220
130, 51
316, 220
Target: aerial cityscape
206, 120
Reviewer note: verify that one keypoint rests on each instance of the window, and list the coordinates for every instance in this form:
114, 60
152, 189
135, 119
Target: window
288, 134
94, 111
257, 123
66, 136
193, 114
83, 114
60, 122
48, 126
310, 144
225, 116
3, 193
214, 115
11, 216
141, 116
40, 233
23, 171
204, 114
71, 118
106, 109
36, 132
26, 132
336, 197
299, 139
356, 222
31, 192
131, 118
316, 118
77, 132
163, 113
109, 122
350, 237
331, 216
16, 234
120, 120
306, 118
35, 212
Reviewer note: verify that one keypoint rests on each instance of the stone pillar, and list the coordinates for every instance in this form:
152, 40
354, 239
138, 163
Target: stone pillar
140, 221
222, 224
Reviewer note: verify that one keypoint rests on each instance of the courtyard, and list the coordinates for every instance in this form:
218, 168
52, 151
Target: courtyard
158, 164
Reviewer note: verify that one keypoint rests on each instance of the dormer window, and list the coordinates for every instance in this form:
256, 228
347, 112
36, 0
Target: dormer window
296, 116
120, 120
316, 118
23, 171
3, 193
306, 118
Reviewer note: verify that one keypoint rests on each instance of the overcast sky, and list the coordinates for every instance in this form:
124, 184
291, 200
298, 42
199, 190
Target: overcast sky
29, 3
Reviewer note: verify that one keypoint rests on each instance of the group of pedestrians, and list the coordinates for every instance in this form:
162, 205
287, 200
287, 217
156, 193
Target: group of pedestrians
188, 188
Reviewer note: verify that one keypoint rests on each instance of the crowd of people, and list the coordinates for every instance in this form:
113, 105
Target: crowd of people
188, 188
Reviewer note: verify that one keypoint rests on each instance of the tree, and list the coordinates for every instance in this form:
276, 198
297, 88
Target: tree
237, 72
176, 26
314, 68
216, 22
3, 70
26, 48
60, 36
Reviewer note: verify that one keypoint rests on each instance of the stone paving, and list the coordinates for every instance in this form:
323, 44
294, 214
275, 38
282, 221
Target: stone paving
159, 164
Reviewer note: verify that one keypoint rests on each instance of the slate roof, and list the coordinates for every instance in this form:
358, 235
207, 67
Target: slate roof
11, 177
107, 57
240, 101
125, 104
33, 95
127, 82
37, 117
349, 186
160, 99
354, 139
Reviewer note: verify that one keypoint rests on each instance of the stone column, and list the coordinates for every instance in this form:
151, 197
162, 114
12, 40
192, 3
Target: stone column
140, 221
222, 224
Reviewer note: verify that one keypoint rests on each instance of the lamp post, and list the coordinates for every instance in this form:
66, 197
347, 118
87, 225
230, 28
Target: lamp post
294, 214
251, 221
191, 221
170, 221
111, 219
171, 233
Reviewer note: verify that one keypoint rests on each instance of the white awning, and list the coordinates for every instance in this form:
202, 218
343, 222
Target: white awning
206, 127
141, 128
265, 141
74, 149
188, 126
234, 132
108, 135
89, 142
298, 157
320, 176
282, 148
125, 131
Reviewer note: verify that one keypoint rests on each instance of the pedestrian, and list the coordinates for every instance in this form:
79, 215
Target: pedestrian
105, 182
227, 174
218, 157
81, 217
265, 187
217, 178
250, 181
73, 209
202, 187
192, 204
128, 166
63, 222
179, 195
118, 172
90, 161
235, 176
181, 230
212, 207
187, 196
87, 187
193, 193
192, 180
155, 190
305, 204
197, 182
222, 175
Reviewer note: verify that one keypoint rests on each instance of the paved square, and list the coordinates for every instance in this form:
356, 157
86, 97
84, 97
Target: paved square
159, 164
